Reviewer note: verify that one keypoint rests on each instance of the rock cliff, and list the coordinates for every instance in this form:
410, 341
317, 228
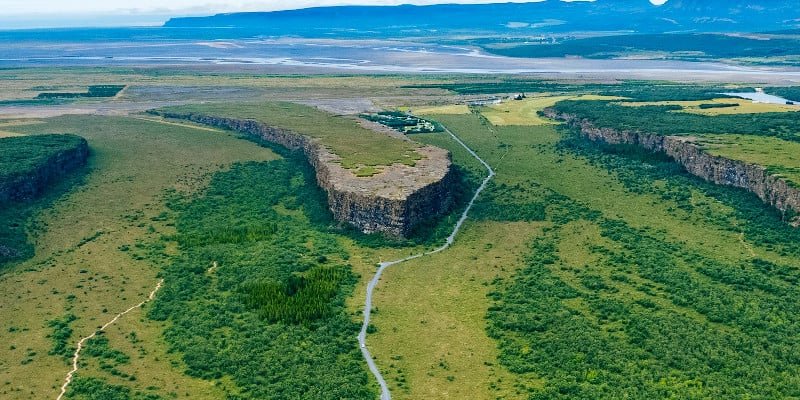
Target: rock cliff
28, 184
392, 201
771, 189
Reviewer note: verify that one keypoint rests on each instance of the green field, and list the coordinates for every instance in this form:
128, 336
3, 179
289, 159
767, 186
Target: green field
585, 271
722, 106
93, 258
355, 145
593, 304
525, 111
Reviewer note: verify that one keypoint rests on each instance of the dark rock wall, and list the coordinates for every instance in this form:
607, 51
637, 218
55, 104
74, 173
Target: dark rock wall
31, 184
359, 206
772, 189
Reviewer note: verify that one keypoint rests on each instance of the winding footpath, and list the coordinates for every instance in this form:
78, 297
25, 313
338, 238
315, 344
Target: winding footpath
82, 342
362, 336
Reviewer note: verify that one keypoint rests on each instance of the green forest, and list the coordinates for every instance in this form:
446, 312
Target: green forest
660, 120
263, 304
95, 91
634, 90
644, 315
684, 46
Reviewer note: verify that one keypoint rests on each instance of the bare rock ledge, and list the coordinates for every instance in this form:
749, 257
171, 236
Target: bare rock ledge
392, 201
771, 189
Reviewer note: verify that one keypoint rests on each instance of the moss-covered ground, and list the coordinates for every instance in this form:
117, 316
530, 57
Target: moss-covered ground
93, 256
355, 145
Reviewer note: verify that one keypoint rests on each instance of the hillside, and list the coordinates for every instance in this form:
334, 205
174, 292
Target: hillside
518, 18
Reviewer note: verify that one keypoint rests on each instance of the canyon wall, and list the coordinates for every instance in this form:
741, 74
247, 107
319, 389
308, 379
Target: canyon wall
29, 184
772, 189
392, 201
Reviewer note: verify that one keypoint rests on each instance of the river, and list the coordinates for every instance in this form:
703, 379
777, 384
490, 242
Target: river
133, 47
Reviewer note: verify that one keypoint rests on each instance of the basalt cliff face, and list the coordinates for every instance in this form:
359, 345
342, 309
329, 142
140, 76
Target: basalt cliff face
30, 184
392, 201
772, 189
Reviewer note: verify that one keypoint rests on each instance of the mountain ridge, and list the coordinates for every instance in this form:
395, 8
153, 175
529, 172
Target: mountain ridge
549, 16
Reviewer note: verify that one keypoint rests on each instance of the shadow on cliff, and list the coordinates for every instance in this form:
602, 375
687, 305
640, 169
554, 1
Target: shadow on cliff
18, 224
430, 232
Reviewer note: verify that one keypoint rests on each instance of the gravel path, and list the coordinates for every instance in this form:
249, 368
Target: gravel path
362, 336
82, 342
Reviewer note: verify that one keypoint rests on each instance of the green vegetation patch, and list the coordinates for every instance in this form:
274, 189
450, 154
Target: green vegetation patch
640, 317
510, 203
354, 144
23, 155
681, 46
659, 120
791, 93
403, 122
62, 332
300, 298
95, 91
90, 388
264, 311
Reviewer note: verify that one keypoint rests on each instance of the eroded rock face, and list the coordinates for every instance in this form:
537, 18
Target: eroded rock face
771, 189
31, 184
392, 201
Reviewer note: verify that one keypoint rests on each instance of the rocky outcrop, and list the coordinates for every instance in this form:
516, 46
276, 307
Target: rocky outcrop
772, 189
30, 183
392, 201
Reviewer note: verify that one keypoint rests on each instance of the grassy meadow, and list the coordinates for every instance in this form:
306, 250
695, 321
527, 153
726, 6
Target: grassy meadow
94, 256
525, 112
718, 106
584, 262
356, 146
584, 271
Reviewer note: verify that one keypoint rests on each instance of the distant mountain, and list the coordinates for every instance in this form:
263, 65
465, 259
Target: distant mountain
639, 16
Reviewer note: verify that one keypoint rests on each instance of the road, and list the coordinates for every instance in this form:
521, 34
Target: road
362, 336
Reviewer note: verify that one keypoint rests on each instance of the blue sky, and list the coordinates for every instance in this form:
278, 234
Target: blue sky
46, 13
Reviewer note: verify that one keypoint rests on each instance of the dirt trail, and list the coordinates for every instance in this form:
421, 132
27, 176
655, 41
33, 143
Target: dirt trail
213, 266
746, 245
192, 126
362, 336
82, 342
